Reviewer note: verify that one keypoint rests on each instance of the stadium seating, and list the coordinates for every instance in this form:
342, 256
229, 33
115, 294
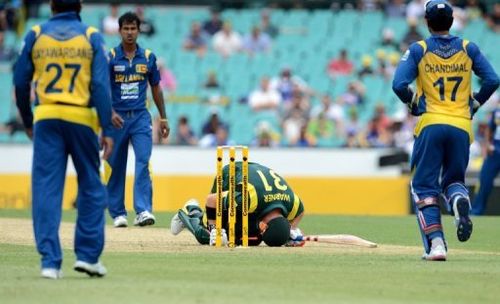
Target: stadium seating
309, 39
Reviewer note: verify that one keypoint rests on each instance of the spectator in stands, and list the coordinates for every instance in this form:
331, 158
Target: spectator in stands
377, 138
320, 129
266, 25
10, 14
214, 24
475, 9
415, 10
197, 40
256, 42
366, 66
459, 16
353, 126
220, 138
304, 140
299, 101
147, 27
264, 98
265, 136
184, 135
395, 9
212, 82
352, 141
412, 35
381, 63
6, 53
340, 66
378, 132
403, 130
332, 111
286, 82
388, 39
227, 42
393, 64
292, 126
3, 19
382, 120
168, 82
354, 95
110, 22
212, 125
494, 18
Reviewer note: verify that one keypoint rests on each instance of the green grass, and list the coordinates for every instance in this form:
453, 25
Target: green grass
267, 275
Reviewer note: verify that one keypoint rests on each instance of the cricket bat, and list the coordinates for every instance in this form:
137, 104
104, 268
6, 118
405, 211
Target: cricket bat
340, 239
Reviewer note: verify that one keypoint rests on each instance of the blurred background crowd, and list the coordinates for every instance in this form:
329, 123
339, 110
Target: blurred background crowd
271, 75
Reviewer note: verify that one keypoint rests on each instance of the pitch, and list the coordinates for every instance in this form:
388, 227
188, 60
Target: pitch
151, 265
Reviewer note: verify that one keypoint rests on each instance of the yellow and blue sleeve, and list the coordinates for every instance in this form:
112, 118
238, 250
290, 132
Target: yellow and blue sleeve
406, 72
483, 69
100, 84
23, 74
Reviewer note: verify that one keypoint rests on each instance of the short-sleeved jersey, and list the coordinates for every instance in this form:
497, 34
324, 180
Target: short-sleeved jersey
130, 78
267, 191
67, 62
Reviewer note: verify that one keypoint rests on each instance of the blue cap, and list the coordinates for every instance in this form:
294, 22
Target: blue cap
438, 9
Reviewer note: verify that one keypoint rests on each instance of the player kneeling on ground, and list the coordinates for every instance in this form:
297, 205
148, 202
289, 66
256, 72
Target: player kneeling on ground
274, 211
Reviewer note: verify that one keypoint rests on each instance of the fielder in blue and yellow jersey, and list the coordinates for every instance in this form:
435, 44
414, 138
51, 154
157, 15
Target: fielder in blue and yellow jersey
491, 165
132, 69
67, 62
442, 66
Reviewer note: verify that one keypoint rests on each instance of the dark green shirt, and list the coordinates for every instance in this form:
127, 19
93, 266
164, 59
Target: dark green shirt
267, 191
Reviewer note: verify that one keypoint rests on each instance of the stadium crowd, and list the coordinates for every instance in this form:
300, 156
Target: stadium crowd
295, 112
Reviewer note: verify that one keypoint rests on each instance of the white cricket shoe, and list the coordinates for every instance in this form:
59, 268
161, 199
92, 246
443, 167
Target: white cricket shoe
438, 251
191, 208
144, 218
120, 221
176, 225
93, 270
51, 273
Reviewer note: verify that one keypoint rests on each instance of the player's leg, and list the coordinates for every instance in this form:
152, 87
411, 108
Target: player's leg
426, 166
454, 166
489, 171
92, 197
116, 171
48, 176
142, 142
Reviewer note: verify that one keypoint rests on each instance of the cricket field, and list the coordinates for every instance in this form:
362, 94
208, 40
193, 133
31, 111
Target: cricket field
149, 265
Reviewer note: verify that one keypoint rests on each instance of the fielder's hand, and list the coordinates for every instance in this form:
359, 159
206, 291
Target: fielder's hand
296, 238
116, 120
475, 104
412, 105
107, 146
213, 234
164, 128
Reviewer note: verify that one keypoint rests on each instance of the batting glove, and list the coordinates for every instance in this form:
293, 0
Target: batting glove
213, 235
296, 238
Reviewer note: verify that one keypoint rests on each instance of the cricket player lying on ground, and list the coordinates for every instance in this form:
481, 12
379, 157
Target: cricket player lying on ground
274, 210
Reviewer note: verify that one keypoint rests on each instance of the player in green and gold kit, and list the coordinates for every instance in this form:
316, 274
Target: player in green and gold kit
274, 210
